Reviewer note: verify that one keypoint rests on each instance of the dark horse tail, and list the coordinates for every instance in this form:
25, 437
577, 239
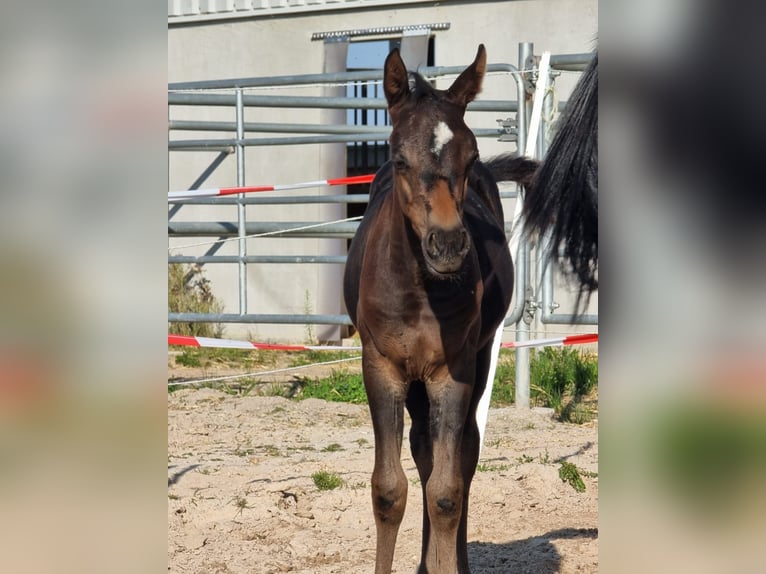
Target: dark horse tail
562, 193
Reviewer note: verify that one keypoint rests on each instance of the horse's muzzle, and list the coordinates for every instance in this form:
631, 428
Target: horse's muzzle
445, 250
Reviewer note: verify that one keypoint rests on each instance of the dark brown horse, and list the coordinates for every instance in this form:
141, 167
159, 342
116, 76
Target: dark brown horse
428, 281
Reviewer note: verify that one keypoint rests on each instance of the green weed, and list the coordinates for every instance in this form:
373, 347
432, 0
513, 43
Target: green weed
189, 291
325, 480
481, 467
571, 474
340, 386
241, 503
560, 378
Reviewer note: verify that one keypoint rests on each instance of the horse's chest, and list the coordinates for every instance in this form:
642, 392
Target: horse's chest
417, 329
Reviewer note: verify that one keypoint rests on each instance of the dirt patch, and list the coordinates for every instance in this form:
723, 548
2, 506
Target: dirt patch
241, 498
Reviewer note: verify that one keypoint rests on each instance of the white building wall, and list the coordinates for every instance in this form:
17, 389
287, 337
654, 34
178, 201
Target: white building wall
275, 39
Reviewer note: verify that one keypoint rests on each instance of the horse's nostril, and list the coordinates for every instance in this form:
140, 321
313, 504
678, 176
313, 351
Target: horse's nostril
431, 243
466, 242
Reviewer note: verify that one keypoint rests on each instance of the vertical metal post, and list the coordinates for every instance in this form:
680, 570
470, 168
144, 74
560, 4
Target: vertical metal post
526, 62
522, 334
526, 51
541, 248
241, 219
524, 101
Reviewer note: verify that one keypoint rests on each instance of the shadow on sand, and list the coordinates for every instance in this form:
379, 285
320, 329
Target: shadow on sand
536, 555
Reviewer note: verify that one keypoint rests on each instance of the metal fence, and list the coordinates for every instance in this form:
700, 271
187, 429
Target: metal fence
207, 93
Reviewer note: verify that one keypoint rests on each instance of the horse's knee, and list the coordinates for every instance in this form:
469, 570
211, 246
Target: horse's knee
389, 496
445, 502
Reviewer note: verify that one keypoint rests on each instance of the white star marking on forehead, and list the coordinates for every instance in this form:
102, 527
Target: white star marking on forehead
442, 135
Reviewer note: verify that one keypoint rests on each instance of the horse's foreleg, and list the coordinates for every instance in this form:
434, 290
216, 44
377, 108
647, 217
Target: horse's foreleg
386, 396
450, 401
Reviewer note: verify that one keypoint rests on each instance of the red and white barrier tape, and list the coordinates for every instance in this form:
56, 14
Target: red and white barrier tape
189, 341
222, 191
232, 344
570, 340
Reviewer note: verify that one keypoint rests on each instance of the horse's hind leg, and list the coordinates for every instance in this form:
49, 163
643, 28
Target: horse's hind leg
471, 448
422, 453
389, 483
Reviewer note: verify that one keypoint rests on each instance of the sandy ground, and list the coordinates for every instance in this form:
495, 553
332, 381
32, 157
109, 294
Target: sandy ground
241, 498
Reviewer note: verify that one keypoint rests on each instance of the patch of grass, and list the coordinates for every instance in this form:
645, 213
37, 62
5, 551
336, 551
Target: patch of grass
174, 497
576, 412
244, 387
189, 291
481, 467
326, 480
276, 390
494, 443
504, 388
307, 448
340, 386
271, 450
334, 447
241, 503
239, 451
525, 458
571, 474
560, 378
237, 358
299, 359
362, 441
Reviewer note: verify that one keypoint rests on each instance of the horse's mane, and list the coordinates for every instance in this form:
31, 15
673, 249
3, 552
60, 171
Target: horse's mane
563, 195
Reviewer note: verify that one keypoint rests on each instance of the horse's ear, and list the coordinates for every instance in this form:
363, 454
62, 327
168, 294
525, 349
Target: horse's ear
395, 81
468, 84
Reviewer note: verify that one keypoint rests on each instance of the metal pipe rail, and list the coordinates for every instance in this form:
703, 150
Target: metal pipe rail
204, 144
281, 229
571, 62
314, 102
323, 79
259, 318
265, 199
266, 127
188, 259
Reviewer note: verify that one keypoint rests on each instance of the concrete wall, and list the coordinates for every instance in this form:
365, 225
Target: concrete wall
277, 45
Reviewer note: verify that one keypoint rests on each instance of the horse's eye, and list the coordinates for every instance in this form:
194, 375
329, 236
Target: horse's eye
400, 163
